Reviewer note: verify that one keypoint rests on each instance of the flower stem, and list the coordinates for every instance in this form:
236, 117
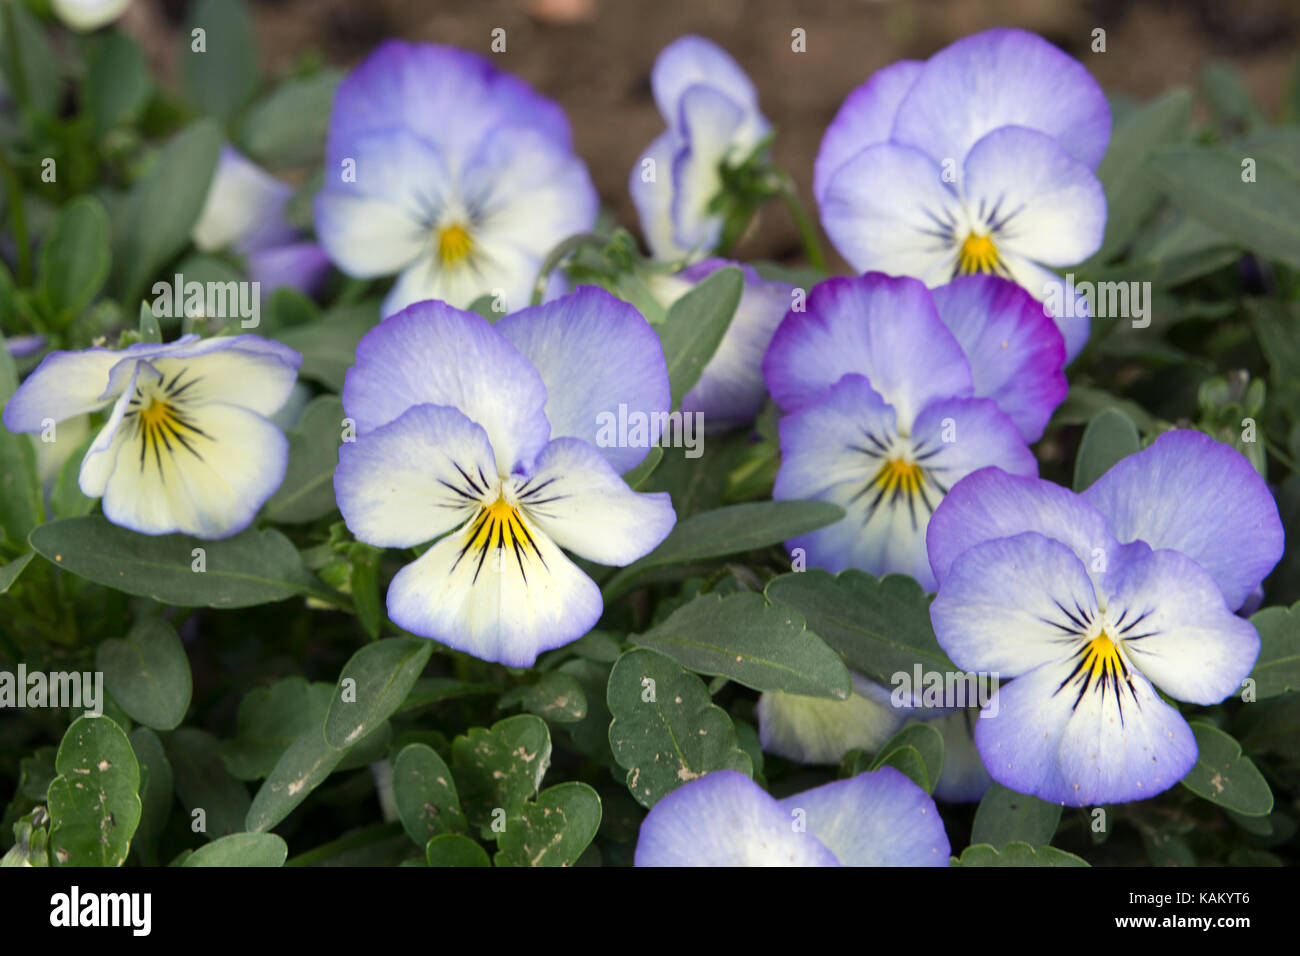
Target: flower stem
807, 231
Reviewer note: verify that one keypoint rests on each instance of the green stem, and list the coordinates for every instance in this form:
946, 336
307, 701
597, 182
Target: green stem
558, 255
807, 231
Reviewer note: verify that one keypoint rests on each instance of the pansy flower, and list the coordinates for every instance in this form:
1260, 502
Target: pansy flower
450, 173
879, 818
816, 730
1095, 604
187, 446
85, 15
711, 109
484, 437
731, 391
979, 160
884, 413
245, 212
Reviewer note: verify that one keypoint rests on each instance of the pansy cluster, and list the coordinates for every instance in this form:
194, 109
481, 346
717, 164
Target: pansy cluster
474, 474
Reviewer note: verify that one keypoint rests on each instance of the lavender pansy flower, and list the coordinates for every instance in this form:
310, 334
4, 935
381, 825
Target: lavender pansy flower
731, 391
884, 414
450, 173
725, 819
484, 437
979, 160
188, 446
711, 111
1090, 603
245, 212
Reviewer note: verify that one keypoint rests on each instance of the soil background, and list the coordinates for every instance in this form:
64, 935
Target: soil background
594, 56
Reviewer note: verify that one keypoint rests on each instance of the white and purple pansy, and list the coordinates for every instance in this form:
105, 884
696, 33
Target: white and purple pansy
1094, 604
484, 437
245, 212
450, 173
879, 818
979, 160
188, 445
884, 412
731, 390
711, 110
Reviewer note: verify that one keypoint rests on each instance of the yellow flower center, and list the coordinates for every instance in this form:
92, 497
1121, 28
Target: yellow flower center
1102, 657
905, 476
156, 414
454, 244
978, 254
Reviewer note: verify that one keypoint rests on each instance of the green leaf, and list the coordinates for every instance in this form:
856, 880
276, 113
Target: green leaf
881, 627
307, 492
1109, 437
299, 771
666, 729
1005, 816
329, 346
1132, 190
1277, 326
554, 830
730, 530
500, 768
744, 638
66, 499
695, 326
1277, 669
156, 782
642, 472
1083, 403
241, 849
148, 674
455, 849
163, 207
221, 76
1224, 776
1017, 854
118, 83
150, 330
1264, 215
94, 801
203, 783
288, 126
22, 506
31, 69
556, 697
253, 567
270, 719
425, 793
372, 686
916, 750
75, 259
9, 572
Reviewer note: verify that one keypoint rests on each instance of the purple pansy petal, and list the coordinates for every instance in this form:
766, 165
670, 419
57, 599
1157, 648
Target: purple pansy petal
1051, 207
300, 265
63, 385
711, 122
243, 200
1000, 608
577, 499
731, 390
378, 223
1015, 351
451, 97
884, 210
1190, 493
398, 486
879, 818
865, 118
956, 436
1043, 739
993, 504
653, 198
595, 354
1176, 630
1061, 302
24, 346
725, 819
881, 327
693, 61
431, 353
1000, 78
